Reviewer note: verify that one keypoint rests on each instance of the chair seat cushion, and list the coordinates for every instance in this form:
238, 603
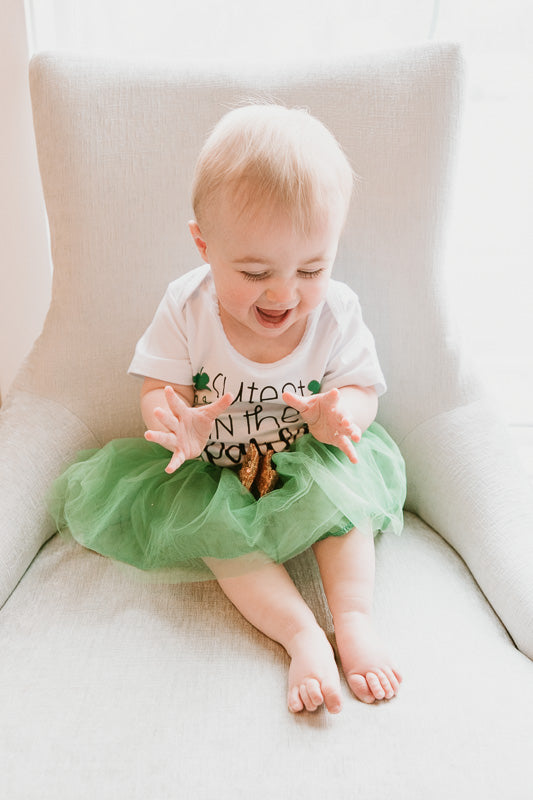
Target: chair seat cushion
115, 689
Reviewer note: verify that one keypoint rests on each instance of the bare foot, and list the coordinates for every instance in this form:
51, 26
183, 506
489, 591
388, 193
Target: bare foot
367, 667
313, 674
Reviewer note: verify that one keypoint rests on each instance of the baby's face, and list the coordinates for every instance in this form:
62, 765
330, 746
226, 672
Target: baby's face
268, 275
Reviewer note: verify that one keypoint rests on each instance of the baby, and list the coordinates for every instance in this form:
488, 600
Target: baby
259, 345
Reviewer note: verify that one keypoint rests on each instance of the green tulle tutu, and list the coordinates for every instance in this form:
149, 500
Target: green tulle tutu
120, 502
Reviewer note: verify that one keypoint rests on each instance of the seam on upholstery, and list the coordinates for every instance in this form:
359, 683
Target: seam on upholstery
12, 397
436, 416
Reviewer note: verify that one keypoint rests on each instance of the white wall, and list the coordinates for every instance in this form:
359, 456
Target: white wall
25, 273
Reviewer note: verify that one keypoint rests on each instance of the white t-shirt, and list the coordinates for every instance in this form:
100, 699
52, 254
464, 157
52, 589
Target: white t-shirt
186, 344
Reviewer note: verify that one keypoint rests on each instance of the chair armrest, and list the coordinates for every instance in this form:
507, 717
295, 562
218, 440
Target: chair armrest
38, 437
465, 481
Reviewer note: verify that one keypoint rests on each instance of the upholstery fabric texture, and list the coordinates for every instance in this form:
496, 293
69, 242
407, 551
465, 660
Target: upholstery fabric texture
114, 689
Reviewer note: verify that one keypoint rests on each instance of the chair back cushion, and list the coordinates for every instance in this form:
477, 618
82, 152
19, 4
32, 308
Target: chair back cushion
117, 144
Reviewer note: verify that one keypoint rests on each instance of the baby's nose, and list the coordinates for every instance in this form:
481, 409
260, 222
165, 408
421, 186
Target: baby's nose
281, 293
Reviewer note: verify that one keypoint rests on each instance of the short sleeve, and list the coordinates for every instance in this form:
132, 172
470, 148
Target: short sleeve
353, 360
162, 351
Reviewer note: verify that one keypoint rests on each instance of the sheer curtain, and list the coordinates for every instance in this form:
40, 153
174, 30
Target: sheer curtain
489, 261
238, 29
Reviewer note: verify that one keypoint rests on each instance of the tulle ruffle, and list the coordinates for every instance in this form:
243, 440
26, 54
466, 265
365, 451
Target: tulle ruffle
119, 502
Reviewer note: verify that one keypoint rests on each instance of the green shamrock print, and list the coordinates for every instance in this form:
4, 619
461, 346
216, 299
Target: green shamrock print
201, 380
314, 387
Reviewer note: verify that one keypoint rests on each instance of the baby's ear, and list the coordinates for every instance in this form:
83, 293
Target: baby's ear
198, 239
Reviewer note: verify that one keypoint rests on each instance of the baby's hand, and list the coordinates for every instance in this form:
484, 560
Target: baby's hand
326, 421
187, 429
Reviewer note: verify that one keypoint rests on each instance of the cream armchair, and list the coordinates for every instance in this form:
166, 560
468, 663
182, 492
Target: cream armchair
115, 689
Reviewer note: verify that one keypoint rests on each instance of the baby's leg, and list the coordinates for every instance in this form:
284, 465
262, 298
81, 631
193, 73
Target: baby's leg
268, 599
347, 568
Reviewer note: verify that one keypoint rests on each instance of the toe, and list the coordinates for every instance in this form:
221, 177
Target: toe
306, 700
332, 698
295, 701
374, 684
359, 687
385, 684
313, 693
393, 679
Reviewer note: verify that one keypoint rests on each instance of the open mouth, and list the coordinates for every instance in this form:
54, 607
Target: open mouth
270, 318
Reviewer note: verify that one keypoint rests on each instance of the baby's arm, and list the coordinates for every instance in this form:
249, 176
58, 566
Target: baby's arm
173, 423
338, 417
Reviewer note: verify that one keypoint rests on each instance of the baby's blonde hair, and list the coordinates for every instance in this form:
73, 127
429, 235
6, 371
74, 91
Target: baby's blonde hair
267, 154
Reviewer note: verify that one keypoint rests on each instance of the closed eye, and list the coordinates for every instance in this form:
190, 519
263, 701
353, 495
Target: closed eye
254, 276
303, 273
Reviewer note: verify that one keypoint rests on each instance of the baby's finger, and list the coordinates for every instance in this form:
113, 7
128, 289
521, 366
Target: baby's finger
330, 398
352, 431
345, 444
175, 403
213, 410
356, 433
165, 416
299, 403
166, 440
175, 462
